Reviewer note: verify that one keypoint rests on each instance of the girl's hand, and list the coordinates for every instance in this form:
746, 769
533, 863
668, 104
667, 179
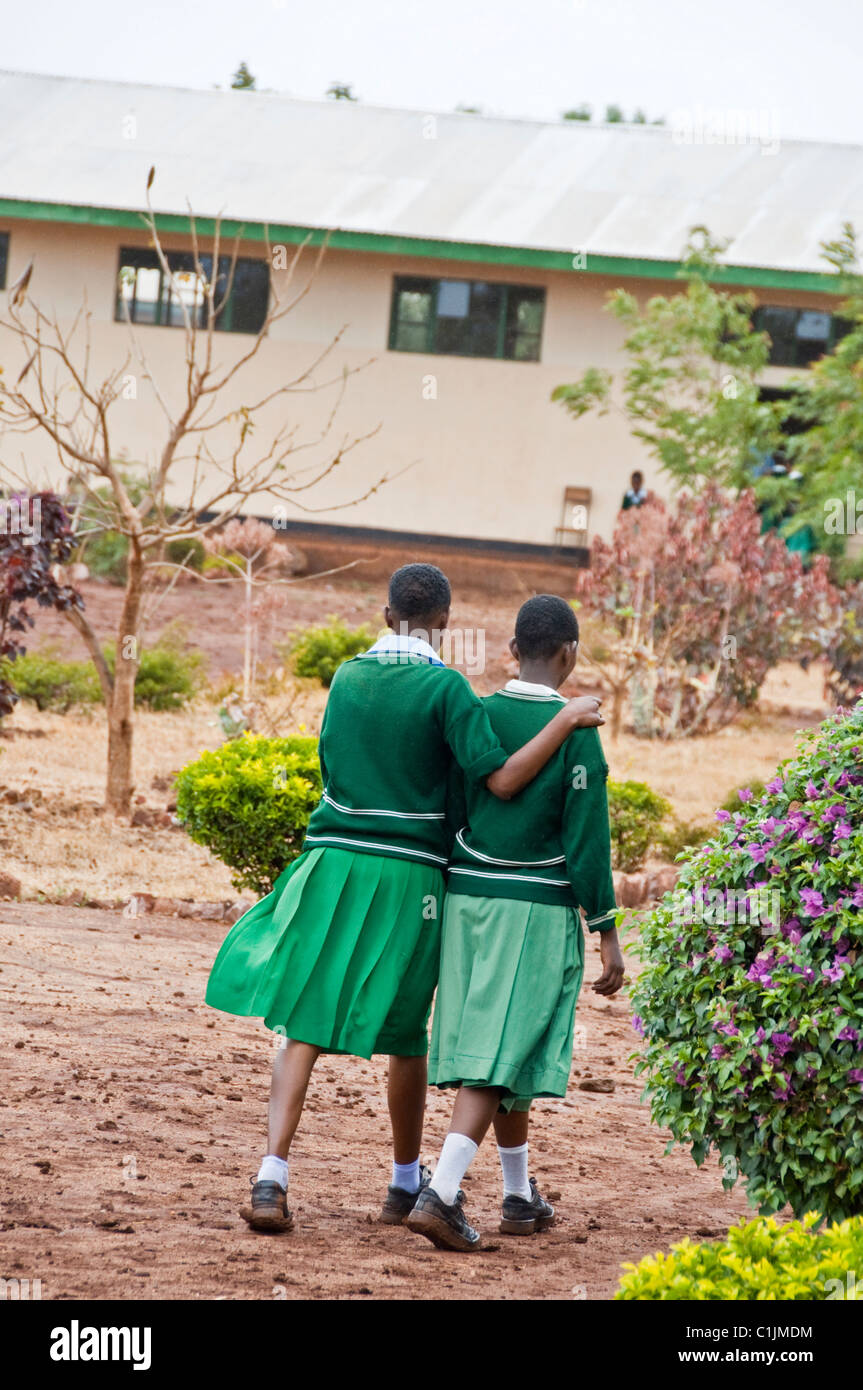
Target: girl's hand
613, 966
584, 711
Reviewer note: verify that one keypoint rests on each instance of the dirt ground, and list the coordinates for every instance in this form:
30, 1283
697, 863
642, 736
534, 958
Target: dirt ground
132, 1116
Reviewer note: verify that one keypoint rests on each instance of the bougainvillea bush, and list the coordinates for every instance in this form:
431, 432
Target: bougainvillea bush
751, 997
760, 1260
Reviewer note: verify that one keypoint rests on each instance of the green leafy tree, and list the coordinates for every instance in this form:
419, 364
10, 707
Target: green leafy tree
578, 113
242, 80
690, 387
829, 402
341, 91
613, 114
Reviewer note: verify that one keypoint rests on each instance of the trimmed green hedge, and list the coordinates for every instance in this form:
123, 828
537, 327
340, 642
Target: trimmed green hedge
249, 802
759, 1260
319, 651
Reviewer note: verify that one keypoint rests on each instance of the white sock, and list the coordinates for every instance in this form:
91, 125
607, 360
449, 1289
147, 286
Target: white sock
407, 1176
514, 1165
274, 1169
455, 1159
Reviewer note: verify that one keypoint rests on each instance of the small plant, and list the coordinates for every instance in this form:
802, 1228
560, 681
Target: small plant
249, 803
51, 683
759, 1260
320, 651
169, 674
635, 814
751, 996
188, 551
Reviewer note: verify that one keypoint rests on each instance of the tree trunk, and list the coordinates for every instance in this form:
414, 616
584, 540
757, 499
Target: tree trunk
121, 710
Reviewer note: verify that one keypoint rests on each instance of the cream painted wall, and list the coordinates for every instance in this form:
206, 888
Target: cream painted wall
487, 456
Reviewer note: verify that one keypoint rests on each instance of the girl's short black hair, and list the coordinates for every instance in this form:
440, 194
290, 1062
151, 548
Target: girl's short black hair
418, 591
543, 624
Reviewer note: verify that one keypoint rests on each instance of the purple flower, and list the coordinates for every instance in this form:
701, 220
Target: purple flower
723, 815
775, 786
757, 852
842, 831
812, 901
638, 1025
783, 1042
680, 1076
783, 1091
760, 1036
722, 953
833, 972
811, 790
857, 896
717, 1051
745, 794
728, 1029
848, 1035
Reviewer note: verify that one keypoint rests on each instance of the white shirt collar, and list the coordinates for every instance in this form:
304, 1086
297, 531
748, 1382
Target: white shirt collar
528, 688
396, 642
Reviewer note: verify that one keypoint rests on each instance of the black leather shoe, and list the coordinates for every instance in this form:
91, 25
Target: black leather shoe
399, 1202
268, 1210
445, 1226
520, 1217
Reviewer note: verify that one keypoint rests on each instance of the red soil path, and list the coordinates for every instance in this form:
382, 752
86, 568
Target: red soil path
131, 1117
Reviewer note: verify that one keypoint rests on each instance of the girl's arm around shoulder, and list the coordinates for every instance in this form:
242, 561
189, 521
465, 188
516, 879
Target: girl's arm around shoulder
523, 765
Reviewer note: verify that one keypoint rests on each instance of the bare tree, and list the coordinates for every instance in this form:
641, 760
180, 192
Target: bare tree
215, 454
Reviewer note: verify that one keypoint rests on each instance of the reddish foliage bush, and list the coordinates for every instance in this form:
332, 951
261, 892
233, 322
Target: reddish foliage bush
689, 608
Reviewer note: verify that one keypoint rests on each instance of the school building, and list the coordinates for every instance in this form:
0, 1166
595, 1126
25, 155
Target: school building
468, 264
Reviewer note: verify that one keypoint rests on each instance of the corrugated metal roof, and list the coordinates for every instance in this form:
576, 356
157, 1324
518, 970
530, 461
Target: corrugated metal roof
260, 157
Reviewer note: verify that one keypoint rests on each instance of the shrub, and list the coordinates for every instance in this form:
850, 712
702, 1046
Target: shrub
693, 606
845, 680
250, 801
105, 555
188, 551
754, 1027
759, 1260
167, 678
320, 651
635, 814
169, 673
52, 683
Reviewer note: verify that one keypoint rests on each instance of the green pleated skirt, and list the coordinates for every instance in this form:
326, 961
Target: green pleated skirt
343, 953
510, 974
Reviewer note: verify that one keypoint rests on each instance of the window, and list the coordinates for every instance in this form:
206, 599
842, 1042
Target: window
797, 336
467, 318
147, 295
4, 257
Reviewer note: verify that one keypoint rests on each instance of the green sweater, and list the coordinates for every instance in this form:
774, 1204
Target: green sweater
393, 727
551, 843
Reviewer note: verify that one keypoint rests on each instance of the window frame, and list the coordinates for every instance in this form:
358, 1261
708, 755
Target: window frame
146, 258
833, 336
430, 284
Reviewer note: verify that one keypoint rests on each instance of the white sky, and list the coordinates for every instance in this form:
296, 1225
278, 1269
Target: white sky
798, 60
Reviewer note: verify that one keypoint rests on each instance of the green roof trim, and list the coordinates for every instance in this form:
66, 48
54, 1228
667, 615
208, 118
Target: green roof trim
386, 244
